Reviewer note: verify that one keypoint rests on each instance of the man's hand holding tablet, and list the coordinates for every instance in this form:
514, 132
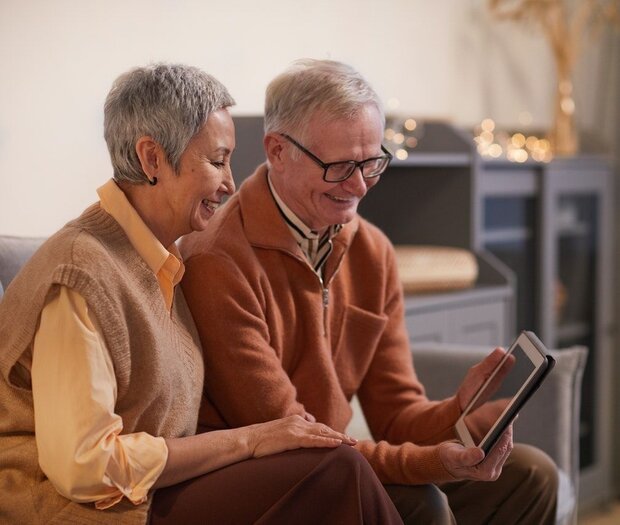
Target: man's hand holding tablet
490, 397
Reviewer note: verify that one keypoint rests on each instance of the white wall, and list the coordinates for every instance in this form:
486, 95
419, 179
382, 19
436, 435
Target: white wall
441, 59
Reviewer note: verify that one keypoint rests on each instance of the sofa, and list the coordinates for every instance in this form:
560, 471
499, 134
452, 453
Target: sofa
14, 252
549, 421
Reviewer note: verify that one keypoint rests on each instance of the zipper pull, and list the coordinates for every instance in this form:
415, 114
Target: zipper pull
325, 305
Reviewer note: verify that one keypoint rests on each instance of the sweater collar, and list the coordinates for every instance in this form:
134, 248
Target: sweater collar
264, 224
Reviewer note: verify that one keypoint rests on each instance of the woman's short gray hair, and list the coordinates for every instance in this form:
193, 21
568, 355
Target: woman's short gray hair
309, 86
168, 102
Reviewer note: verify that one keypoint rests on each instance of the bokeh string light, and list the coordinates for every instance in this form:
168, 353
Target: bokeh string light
402, 133
515, 147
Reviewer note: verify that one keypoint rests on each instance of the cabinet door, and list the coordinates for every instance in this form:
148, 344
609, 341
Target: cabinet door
511, 234
550, 224
482, 324
427, 326
576, 270
577, 252
468, 324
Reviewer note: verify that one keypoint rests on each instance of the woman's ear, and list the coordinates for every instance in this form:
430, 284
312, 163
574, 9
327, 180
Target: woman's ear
149, 153
274, 149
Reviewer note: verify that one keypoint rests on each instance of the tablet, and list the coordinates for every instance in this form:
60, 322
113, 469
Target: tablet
499, 399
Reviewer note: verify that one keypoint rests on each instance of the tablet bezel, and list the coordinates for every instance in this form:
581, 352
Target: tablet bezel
535, 351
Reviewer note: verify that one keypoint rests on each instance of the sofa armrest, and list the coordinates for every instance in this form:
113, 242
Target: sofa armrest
14, 252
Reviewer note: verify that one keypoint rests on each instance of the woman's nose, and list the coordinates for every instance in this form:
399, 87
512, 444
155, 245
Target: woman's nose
229, 183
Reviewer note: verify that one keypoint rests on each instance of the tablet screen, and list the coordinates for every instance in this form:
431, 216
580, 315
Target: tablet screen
495, 398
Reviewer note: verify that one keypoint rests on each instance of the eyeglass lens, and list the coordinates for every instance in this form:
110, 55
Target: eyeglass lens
342, 170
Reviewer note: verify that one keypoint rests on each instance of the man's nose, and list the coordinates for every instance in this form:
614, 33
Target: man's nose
356, 183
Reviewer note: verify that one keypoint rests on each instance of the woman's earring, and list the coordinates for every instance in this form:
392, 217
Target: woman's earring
153, 181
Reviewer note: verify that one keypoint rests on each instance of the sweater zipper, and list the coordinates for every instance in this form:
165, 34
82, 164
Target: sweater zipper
324, 287
325, 294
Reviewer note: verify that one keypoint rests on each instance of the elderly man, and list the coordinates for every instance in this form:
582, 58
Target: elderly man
299, 307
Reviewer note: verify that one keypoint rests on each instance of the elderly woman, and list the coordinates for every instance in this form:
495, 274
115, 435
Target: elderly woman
100, 368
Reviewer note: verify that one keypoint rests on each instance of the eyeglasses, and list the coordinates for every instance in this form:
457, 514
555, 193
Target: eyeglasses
342, 170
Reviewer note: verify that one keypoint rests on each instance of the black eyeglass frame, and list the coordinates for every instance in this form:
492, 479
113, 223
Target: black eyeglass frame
356, 164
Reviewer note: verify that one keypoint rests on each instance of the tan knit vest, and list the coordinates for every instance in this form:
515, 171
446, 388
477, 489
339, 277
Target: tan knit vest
156, 357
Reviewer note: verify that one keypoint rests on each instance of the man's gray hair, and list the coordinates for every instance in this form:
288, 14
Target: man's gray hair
168, 102
309, 86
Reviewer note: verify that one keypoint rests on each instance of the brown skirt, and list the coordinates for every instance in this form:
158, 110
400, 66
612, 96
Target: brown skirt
304, 486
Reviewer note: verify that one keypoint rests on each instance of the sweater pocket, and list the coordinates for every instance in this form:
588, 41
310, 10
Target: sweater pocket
360, 333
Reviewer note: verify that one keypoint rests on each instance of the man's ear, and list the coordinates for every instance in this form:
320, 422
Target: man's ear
274, 149
150, 154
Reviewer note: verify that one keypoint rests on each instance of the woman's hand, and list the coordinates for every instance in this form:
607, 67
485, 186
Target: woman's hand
196, 455
290, 433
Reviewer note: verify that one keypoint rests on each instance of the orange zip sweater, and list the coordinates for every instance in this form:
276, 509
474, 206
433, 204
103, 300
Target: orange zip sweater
279, 341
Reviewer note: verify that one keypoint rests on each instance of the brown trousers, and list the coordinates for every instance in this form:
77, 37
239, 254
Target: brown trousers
525, 493
305, 486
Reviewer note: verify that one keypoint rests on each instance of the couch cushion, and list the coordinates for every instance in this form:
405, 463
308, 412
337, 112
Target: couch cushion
14, 252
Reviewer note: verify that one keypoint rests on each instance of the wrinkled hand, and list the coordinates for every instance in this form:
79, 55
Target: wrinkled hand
290, 433
477, 375
470, 464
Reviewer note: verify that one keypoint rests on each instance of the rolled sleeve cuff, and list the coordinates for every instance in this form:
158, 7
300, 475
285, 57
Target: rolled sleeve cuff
134, 469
